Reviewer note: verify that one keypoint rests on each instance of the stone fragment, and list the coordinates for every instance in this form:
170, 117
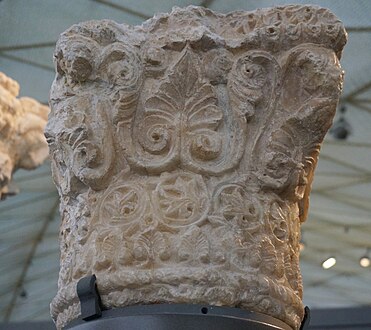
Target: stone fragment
22, 141
184, 150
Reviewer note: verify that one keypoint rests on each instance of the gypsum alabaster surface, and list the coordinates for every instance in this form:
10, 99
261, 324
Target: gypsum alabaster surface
22, 141
183, 150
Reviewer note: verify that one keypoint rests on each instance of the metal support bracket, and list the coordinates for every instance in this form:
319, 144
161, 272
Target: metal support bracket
306, 319
91, 306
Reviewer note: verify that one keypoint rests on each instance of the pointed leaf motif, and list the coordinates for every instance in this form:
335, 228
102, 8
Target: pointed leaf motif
106, 248
311, 85
184, 78
142, 249
268, 255
111, 250
194, 246
161, 246
291, 277
181, 199
246, 257
124, 255
150, 245
180, 124
278, 221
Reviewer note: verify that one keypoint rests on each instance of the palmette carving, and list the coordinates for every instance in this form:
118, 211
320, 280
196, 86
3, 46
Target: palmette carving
184, 151
194, 245
184, 125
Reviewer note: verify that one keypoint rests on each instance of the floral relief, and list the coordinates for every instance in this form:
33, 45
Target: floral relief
150, 246
194, 246
112, 250
184, 151
278, 221
181, 124
121, 67
124, 205
181, 199
239, 207
317, 76
84, 138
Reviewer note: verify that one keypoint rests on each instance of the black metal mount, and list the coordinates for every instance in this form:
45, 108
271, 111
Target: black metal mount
168, 316
91, 306
306, 319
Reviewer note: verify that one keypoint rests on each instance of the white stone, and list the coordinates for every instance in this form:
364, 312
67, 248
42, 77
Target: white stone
184, 150
22, 141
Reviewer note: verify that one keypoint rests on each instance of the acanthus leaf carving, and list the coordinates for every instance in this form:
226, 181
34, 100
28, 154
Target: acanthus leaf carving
304, 102
83, 138
184, 150
269, 259
278, 221
151, 245
120, 65
108, 255
194, 246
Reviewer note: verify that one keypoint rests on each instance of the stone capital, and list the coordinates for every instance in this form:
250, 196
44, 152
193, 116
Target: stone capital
184, 150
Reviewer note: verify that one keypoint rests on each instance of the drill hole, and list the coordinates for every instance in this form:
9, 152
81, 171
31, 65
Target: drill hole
204, 310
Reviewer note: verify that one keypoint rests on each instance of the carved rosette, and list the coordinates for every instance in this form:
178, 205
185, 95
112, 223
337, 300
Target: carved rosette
183, 151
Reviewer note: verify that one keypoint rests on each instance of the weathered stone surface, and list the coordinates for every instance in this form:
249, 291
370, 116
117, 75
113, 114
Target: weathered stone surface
22, 141
184, 149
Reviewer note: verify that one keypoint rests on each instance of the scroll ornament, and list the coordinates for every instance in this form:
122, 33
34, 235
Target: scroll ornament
184, 150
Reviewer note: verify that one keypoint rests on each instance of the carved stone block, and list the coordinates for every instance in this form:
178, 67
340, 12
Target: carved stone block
22, 141
183, 151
